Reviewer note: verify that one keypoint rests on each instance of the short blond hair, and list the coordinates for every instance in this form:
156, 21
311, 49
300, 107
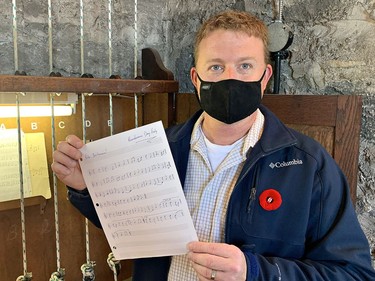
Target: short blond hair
236, 21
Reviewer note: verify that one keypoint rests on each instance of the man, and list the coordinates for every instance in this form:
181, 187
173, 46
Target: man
254, 221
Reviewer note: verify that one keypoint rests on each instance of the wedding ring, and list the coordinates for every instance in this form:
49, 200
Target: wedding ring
213, 274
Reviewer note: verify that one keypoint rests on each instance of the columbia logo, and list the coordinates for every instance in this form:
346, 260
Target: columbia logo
285, 164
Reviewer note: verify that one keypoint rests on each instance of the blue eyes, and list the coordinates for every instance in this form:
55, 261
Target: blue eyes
216, 67
241, 67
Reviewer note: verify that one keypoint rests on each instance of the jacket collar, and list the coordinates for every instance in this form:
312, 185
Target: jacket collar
275, 134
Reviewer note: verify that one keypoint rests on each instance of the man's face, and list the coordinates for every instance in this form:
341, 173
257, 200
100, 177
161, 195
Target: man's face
227, 54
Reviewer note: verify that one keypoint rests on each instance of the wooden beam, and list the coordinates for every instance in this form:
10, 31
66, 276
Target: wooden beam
19, 83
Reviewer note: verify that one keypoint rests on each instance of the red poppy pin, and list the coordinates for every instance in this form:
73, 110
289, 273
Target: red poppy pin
270, 199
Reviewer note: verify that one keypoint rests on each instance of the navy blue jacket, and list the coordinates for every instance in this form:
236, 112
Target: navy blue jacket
313, 235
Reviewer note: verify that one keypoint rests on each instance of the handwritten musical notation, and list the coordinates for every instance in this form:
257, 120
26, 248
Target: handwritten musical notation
10, 179
136, 191
176, 202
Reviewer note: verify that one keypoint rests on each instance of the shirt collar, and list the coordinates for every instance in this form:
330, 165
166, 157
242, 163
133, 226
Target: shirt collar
252, 137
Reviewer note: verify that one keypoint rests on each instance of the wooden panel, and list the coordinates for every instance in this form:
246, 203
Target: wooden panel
186, 105
347, 138
155, 108
302, 109
323, 134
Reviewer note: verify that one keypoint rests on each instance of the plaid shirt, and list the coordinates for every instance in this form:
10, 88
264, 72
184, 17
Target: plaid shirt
207, 192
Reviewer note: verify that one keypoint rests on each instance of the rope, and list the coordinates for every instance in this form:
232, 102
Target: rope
136, 110
114, 265
22, 192
110, 36
81, 31
15, 44
84, 141
60, 271
88, 267
50, 36
136, 59
88, 271
89, 264
135, 38
26, 277
111, 113
58, 276
110, 95
110, 63
112, 262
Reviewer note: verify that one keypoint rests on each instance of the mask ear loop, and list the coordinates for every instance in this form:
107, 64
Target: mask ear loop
261, 78
196, 91
197, 96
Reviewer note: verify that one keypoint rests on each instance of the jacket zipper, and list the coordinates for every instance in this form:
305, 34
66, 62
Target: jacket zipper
252, 196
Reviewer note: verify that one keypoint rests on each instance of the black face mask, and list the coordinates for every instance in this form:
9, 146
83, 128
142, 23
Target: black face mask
230, 100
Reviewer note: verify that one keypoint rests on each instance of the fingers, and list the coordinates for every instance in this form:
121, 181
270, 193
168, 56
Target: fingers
74, 141
60, 169
70, 149
65, 162
217, 249
65, 158
205, 273
227, 261
203, 263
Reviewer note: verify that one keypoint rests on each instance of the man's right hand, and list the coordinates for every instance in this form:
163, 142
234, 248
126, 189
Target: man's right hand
65, 162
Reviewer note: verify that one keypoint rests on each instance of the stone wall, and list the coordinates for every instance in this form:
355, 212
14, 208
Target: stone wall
332, 53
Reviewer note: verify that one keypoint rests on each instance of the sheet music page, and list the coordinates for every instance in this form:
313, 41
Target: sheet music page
133, 182
38, 164
10, 166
